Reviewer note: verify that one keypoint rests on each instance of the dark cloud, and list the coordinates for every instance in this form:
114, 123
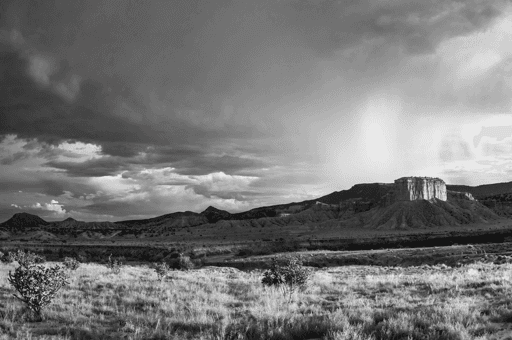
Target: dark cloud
418, 26
206, 191
208, 164
123, 209
244, 87
14, 158
98, 167
122, 149
30, 110
118, 52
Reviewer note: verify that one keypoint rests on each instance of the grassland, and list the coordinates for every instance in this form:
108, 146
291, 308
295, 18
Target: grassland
352, 302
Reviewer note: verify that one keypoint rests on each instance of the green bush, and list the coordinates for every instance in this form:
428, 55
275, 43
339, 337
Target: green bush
37, 285
291, 276
114, 265
71, 263
183, 262
162, 270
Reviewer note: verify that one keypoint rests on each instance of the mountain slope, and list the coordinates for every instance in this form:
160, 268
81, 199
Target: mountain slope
22, 222
425, 214
72, 224
368, 192
183, 219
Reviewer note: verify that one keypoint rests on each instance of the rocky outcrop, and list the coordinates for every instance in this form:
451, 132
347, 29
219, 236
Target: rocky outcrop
420, 188
460, 195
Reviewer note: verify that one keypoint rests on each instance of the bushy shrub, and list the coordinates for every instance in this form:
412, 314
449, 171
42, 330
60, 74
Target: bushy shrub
25, 259
114, 265
292, 276
183, 262
162, 270
71, 263
37, 285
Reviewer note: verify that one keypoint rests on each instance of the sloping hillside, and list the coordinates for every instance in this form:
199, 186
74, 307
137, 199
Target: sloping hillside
369, 192
425, 214
21, 222
72, 224
185, 219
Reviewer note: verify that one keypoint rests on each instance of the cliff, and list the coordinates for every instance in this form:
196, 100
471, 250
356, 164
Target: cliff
460, 195
420, 188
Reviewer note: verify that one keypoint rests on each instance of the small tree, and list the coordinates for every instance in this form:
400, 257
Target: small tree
37, 285
71, 263
114, 265
184, 263
290, 277
162, 270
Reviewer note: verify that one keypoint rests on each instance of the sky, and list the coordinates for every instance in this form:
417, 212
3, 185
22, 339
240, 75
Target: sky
124, 109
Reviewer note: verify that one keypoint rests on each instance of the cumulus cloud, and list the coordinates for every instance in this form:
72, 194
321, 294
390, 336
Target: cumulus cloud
54, 207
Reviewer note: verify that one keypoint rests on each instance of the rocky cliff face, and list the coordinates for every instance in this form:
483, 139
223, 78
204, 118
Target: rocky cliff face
420, 188
461, 195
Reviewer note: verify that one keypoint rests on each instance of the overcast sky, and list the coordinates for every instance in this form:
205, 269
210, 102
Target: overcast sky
122, 109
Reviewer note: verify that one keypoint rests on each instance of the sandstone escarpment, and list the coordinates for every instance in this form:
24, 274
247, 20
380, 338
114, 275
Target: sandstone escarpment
460, 195
420, 188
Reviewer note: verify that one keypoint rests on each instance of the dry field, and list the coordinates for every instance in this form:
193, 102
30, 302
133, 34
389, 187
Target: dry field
353, 302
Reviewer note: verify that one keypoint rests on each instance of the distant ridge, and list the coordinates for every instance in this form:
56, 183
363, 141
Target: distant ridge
371, 192
186, 218
483, 191
368, 206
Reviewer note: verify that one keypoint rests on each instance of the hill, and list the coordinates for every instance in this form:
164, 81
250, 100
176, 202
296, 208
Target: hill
182, 219
371, 192
72, 224
22, 222
425, 214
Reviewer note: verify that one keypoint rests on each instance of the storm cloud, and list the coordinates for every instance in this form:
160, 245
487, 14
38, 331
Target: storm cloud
127, 108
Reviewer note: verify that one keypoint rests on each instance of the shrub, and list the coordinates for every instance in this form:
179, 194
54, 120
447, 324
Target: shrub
162, 270
25, 259
71, 263
291, 277
37, 285
114, 265
183, 262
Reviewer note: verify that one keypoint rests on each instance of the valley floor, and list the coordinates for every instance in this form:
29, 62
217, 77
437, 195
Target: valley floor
473, 301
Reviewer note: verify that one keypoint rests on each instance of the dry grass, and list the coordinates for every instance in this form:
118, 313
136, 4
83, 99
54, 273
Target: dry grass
359, 302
